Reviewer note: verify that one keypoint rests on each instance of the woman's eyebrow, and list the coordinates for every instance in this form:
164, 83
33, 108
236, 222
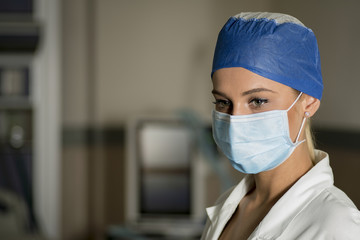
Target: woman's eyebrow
214, 91
255, 90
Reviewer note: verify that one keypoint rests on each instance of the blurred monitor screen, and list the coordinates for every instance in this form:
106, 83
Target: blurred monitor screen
164, 153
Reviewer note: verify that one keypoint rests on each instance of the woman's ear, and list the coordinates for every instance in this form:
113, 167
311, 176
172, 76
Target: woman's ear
310, 105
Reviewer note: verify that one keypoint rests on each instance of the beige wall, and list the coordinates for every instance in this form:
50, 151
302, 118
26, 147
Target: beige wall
154, 56
75, 74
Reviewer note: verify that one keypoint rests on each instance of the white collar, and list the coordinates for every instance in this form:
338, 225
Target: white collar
285, 209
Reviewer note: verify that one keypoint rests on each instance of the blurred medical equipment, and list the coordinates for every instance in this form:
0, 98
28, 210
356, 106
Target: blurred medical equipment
205, 141
166, 166
20, 36
15, 218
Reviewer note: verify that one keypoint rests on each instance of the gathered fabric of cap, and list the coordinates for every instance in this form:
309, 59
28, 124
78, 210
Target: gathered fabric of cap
273, 45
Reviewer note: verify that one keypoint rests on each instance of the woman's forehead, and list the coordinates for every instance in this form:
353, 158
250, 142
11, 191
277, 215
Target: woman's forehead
241, 78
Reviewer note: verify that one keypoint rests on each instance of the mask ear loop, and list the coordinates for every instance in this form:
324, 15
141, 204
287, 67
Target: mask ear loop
298, 135
294, 101
303, 121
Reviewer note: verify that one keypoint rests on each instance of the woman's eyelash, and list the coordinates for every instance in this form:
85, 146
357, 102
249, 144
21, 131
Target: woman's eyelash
220, 101
258, 101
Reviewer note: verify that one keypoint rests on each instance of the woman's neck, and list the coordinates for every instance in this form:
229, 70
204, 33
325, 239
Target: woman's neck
271, 185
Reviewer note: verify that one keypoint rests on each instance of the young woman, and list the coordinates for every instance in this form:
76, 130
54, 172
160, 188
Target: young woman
267, 83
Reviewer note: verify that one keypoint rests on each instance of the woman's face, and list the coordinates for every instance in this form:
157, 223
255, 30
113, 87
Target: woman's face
238, 91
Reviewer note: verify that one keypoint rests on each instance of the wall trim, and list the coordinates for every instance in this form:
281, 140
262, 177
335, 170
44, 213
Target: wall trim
324, 137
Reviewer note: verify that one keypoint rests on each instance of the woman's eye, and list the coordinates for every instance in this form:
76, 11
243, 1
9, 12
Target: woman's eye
258, 102
222, 104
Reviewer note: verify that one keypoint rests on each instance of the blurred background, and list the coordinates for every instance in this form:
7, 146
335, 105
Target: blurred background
87, 86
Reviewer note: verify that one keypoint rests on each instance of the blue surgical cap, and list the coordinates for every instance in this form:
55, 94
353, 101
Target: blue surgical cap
273, 45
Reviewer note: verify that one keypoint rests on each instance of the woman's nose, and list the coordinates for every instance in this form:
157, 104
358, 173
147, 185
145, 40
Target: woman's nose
237, 109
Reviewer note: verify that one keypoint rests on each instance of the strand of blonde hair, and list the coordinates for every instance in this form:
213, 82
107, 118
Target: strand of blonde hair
310, 140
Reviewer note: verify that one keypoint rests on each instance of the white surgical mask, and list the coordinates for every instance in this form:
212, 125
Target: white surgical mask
256, 142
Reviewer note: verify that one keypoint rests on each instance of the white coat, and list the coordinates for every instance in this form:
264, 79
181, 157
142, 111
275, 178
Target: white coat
313, 208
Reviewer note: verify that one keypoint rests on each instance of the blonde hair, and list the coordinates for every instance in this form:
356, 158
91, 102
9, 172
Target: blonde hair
310, 139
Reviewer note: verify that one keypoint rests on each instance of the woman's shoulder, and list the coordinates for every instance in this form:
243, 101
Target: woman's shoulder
336, 206
331, 213
333, 200
331, 204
